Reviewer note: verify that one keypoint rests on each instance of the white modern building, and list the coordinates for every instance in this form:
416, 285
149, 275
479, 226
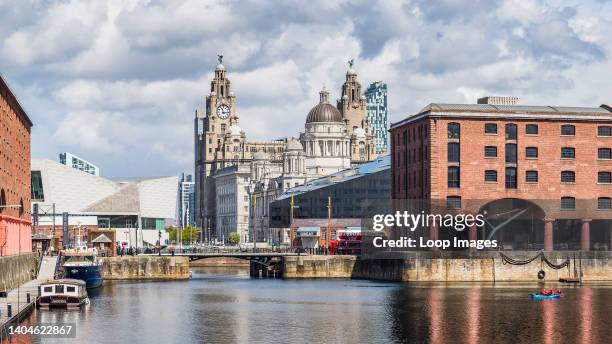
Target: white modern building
138, 211
74, 161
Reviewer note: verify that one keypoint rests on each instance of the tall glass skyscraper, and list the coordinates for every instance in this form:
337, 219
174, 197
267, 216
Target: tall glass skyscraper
376, 98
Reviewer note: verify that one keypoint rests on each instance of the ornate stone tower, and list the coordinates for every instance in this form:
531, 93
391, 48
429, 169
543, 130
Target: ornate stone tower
353, 107
212, 128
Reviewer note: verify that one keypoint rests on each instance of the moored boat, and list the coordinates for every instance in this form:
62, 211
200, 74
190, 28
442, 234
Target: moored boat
63, 293
81, 263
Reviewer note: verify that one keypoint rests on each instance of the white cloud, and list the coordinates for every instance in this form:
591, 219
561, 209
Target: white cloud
118, 81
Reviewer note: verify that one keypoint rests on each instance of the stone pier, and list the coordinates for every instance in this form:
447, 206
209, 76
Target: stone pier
16, 270
145, 268
453, 267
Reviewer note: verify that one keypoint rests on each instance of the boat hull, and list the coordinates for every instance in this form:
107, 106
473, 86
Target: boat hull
545, 297
90, 274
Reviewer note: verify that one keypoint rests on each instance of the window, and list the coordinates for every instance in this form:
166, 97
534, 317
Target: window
490, 128
511, 152
510, 131
604, 177
531, 129
48, 289
453, 177
602, 153
453, 202
37, 187
510, 178
568, 153
604, 203
59, 288
568, 203
490, 176
531, 176
568, 177
454, 130
531, 152
71, 289
568, 130
453, 152
604, 130
490, 152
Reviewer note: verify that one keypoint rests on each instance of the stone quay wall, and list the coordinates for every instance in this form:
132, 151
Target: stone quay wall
451, 267
145, 268
17, 269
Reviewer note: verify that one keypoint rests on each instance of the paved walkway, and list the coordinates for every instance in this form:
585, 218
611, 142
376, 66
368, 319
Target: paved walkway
18, 296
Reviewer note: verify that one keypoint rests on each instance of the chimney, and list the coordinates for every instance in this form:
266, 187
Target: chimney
497, 100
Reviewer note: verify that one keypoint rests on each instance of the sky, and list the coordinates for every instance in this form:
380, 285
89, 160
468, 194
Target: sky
118, 82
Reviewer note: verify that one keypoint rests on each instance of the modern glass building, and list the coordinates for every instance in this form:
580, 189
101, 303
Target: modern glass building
186, 197
376, 98
348, 192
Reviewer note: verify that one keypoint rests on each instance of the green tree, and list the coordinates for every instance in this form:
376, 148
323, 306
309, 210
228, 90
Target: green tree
189, 234
234, 238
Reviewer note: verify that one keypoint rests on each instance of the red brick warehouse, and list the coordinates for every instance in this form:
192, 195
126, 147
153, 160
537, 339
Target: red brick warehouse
15, 184
555, 163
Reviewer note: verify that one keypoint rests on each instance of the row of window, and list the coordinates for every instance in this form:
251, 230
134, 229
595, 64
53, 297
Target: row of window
530, 152
454, 130
531, 176
567, 203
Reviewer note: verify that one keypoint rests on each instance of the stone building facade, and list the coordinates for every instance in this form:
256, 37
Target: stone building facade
334, 138
15, 217
557, 160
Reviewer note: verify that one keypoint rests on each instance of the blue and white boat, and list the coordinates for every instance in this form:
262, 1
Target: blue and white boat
80, 263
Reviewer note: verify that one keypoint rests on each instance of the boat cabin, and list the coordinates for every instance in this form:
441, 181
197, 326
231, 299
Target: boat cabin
68, 293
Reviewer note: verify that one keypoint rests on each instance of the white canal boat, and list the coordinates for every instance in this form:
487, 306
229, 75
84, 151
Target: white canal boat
65, 293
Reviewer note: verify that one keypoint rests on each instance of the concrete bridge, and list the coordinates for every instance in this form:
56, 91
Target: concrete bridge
252, 256
266, 264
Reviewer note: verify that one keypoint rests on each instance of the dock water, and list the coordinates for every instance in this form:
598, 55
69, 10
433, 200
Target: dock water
23, 299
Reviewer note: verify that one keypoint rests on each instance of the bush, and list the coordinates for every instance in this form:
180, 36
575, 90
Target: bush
234, 238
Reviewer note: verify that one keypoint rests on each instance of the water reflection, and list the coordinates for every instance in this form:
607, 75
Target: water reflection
226, 306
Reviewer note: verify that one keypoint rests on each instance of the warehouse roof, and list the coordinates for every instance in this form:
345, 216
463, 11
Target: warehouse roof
604, 112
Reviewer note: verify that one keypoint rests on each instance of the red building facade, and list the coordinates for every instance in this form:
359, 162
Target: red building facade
557, 158
15, 184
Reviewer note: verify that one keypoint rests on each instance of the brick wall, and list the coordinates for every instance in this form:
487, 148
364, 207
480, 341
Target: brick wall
14, 170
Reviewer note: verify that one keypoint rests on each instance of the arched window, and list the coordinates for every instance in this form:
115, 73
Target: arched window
2, 200
454, 154
568, 130
454, 130
568, 177
510, 131
568, 203
604, 203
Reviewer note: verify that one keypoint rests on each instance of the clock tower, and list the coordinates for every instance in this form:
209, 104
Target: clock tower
211, 125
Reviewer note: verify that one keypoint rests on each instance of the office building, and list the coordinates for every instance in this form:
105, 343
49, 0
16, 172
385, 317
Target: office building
376, 100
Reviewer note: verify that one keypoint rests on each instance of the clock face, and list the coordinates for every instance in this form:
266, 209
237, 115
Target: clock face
223, 111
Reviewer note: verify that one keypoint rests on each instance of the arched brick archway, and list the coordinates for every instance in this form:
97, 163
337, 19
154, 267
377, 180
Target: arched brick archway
516, 224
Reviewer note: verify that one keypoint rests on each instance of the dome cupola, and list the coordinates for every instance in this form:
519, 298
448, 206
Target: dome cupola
324, 111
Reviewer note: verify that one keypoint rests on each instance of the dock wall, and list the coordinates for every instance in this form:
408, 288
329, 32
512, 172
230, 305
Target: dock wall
145, 268
16, 270
424, 266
